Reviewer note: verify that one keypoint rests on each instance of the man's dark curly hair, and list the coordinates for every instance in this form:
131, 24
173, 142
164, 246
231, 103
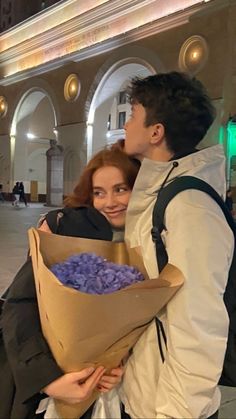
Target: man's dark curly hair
178, 102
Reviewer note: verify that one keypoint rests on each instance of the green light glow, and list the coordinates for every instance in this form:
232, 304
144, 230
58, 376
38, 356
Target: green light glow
221, 135
231, 128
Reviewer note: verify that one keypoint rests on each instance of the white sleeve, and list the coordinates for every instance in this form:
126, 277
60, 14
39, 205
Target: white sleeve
200, 243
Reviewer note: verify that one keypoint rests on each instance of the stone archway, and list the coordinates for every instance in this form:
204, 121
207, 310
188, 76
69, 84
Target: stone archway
33, 127
113, 77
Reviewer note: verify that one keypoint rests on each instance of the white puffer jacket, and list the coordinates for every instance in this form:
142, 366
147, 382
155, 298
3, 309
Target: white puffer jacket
200, 243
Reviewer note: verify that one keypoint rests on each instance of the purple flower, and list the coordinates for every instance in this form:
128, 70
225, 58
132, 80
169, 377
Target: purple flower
92, 274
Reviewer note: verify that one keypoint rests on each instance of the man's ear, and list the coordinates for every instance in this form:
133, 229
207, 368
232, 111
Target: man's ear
157, 134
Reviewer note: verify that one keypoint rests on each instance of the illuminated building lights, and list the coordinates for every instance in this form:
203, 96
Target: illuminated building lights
3, 106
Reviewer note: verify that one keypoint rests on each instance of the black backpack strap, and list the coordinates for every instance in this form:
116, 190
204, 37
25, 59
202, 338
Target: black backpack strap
165, 196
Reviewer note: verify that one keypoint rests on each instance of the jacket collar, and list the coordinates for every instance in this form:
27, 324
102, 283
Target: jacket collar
207, 164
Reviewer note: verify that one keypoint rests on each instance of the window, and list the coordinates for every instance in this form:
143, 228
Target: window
122, 116
122, 98
109, 123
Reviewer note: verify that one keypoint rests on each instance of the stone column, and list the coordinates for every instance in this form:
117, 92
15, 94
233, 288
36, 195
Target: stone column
5, 162
54, 175
72, 139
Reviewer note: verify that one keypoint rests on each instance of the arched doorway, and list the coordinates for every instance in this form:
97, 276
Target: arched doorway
108, 108
32, 130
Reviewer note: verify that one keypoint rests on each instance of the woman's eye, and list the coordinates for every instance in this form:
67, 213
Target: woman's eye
98, 193
121, 189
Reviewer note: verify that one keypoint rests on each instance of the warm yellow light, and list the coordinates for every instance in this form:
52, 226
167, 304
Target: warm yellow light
71, 88
195, 55
3, 106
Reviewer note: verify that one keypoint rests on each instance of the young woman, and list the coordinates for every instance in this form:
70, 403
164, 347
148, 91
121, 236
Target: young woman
96, 210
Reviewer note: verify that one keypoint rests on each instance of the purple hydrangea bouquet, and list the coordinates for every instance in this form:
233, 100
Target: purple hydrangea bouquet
93, 274
102, 316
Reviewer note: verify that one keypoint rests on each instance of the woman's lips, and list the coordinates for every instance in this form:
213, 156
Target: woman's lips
114, 214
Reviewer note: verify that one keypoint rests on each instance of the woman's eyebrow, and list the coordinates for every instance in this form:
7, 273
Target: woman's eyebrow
114, 186
119, 185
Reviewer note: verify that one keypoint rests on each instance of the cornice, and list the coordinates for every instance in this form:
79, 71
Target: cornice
94, 32
101, 11
78, 25
55, 15
214, 6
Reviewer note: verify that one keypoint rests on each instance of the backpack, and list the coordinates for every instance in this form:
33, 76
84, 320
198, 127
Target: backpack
228, 377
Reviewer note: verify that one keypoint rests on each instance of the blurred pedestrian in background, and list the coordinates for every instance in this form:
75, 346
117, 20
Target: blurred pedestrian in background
22, 193
16, 194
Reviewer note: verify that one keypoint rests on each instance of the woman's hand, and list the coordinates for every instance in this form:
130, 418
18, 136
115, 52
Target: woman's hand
108, 382
75, 387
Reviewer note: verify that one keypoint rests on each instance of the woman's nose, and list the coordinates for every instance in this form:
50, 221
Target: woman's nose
110, 200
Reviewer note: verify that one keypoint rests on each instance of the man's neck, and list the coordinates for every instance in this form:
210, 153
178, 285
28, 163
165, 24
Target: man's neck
159, 154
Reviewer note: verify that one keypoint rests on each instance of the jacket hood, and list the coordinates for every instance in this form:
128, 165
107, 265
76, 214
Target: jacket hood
207, 164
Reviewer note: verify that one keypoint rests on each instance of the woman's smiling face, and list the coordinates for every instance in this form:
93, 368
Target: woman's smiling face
111, 194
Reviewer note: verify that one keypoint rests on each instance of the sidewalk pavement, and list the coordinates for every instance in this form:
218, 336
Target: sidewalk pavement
14, 223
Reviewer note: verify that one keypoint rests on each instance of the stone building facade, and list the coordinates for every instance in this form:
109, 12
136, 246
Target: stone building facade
63, 71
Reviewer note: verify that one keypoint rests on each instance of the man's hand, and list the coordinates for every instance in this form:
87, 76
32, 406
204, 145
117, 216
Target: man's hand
108, 382
75, 387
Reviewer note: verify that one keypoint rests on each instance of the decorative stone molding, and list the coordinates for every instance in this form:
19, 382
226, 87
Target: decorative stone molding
72, 88
193, 54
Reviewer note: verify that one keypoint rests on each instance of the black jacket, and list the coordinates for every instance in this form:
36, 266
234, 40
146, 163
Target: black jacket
26, 363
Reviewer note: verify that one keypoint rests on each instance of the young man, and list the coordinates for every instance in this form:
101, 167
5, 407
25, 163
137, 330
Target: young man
171, 113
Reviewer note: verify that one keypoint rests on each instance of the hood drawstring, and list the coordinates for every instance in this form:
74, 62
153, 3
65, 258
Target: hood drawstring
156, 232
174, 165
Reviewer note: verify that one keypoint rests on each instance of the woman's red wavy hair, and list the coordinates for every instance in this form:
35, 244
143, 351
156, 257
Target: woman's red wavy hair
113, 155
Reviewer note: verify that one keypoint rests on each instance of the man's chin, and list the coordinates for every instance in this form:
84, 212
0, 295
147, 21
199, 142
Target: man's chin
132, 153
129, 152
126, 149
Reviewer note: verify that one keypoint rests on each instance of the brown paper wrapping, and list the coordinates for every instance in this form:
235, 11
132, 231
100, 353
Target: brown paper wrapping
86, 329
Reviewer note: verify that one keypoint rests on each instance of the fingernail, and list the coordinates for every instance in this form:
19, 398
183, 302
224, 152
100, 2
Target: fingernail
90, 369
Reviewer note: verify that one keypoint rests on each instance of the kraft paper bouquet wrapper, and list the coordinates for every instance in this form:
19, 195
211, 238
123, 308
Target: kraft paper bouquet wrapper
86, 329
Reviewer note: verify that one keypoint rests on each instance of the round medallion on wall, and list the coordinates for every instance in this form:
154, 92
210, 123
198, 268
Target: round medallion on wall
72, 88
3, 106
193, 54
